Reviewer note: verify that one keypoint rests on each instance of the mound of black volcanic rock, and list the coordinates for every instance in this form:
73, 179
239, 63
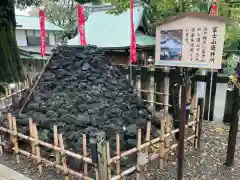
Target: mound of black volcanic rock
82, 93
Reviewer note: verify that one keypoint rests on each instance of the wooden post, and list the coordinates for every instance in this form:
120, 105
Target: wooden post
138, 85
201, 114
1, 144
139, 142
118, 152
10, 126
37, 149
197, 128
108, 160
182, 124
56, 143
102, 156
233, 128
151, 92
165, 104
84, 143
31, 133
14, 96
16, 148
162, 143
63, 156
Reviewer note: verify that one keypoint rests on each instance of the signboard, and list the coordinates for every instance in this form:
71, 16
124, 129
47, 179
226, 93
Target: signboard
190, 42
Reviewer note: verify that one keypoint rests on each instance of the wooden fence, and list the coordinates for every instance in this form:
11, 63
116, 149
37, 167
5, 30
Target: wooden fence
6, 98
150, 150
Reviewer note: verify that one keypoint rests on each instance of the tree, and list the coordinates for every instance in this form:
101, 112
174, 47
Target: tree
11, 68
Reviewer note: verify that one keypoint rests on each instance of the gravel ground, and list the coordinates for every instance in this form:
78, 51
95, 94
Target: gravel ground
205, 164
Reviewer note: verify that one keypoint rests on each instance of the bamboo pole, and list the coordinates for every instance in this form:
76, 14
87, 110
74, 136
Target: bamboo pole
148, 131
139, 142
118, 151
56, 143
197, 128
1, 144
52, 164
63, 157
37, 148
84, 138
31, 135
108, 160
16, 140
10, 126
153, 141
50, 146
148, 91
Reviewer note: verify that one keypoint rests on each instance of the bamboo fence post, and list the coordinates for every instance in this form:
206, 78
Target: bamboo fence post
118, 166
38, 153
1, 144
162, 144
197, 128
63, 156
56, 143
16, 147
148, 131
108, 160
85, 168
201, 113
10, 126
31, 133
139, 142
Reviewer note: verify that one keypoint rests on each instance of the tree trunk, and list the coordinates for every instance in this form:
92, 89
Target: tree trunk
11, 67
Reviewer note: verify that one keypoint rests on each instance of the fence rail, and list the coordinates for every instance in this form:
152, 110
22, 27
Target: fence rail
148, 151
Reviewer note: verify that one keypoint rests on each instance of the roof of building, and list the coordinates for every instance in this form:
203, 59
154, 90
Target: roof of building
195, 15
113, 31
30, 55
33, 23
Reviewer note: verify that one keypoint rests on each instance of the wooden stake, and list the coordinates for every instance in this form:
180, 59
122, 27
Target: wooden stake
10, 126
32, 135
1, 144
56, 143
84, 138
64, 163
197, 128
108, 161
118, 166
37, 148
148, 131
139, 142
16, 148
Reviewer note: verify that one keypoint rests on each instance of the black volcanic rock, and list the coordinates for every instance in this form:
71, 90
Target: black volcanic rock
82, 93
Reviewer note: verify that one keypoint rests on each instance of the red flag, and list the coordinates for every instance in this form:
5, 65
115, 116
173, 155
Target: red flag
214, 8
42, 31
81, 24
133, 53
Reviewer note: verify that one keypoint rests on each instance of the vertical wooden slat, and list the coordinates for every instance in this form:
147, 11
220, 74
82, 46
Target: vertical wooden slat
10, 126
38, 153
118, 166
197, 128
1, 144
85, 166
139, 142
64, 163
108, 160
16, 148
31, 133
56, 143
148, 131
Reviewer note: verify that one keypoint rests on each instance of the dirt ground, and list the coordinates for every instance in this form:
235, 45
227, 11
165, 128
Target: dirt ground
205, 164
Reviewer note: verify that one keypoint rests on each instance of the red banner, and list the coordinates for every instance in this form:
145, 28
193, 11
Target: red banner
81, 24
133, 53
42, 32
214, 8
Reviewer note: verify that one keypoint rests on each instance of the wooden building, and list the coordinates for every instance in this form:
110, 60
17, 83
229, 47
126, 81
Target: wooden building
112, 34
